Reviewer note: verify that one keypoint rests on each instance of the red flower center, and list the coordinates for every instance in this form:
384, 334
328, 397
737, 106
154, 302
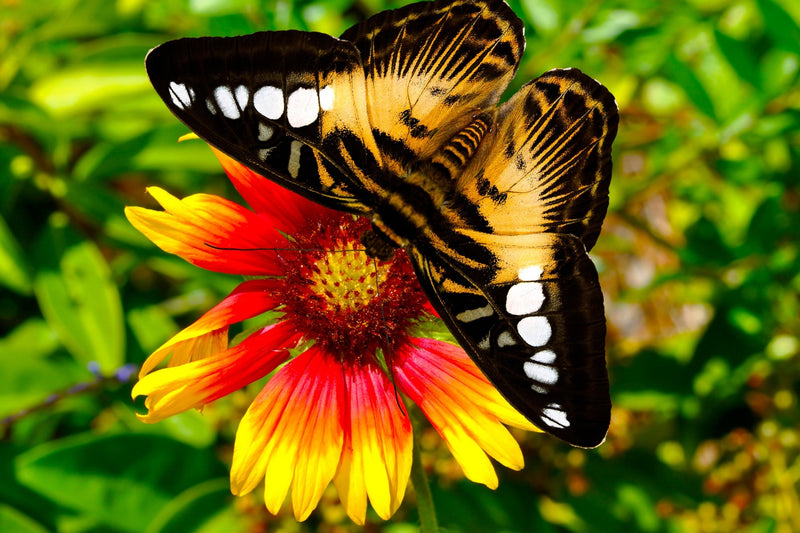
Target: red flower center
347, 302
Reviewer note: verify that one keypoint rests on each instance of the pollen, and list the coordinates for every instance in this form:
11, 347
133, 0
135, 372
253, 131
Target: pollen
346, 279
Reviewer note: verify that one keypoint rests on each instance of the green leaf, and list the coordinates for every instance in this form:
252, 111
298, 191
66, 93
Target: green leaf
205, 508
740, 56
86, 88
544, 15
122, 481
14, 271
80, 301
27, 381
780, 25
686, 78
33, 339
13, 521
22, 499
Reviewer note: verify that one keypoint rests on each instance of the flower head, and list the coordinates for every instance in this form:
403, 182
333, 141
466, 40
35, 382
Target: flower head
332, 413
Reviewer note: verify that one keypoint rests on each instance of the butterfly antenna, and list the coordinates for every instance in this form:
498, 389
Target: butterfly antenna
388, 356
232, 249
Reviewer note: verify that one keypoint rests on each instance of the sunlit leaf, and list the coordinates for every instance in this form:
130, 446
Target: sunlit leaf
14, 270
205, 508
123, 481
80, 301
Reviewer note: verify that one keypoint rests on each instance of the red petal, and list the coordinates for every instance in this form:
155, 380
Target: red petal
172, 390
212, 233
287, 210
249, 299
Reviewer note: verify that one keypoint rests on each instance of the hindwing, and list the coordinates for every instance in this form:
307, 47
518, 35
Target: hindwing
548, 157
290, 105
533, 322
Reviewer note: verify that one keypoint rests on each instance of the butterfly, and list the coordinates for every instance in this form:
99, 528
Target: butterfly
496, 205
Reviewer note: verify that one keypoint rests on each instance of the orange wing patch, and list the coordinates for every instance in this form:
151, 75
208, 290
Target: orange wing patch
429, 67
549, 157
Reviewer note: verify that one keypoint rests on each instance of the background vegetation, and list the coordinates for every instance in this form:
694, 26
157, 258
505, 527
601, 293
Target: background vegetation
699, 262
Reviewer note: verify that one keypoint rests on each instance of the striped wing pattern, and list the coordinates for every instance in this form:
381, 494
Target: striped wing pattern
497, 206
532, 314
550, 157
434, 64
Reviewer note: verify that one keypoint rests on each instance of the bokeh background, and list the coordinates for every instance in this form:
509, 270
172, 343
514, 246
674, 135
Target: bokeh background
698, 258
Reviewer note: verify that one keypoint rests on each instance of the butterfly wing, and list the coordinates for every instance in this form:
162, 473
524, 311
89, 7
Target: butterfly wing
290, 105
516, 287
536, 329
550, 158
429, 67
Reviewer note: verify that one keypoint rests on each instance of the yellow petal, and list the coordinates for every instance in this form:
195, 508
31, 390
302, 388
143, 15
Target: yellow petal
378, 459
462, 405
292, 434
209, 333
172, 390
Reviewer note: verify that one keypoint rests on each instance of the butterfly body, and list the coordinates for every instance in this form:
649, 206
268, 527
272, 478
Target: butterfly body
497, 205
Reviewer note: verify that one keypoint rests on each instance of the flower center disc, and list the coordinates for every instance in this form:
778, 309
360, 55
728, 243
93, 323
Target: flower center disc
343, 299
346, 279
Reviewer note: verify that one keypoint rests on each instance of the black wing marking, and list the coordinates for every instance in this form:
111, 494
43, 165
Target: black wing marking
536, 329
549, 157
289, 105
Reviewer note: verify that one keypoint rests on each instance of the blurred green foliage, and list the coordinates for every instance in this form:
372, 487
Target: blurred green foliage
699, 262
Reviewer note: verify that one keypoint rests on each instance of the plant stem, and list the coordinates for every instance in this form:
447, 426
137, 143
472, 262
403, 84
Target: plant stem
425, 507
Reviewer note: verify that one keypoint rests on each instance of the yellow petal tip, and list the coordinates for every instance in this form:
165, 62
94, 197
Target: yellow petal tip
188, 137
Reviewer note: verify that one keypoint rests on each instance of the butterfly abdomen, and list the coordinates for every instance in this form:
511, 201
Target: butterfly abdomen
456, 153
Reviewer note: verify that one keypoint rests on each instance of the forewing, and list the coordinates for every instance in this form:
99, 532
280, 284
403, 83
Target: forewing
549, 158
534, 324
289, 105
430, 66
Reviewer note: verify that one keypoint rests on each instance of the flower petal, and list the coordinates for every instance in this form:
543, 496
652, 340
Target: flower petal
211, 232
376, 460
286, 210
292, 434
462, 405
209, 333
172, 390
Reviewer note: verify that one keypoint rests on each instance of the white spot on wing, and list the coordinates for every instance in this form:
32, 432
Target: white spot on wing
525, 298
545, 357
535, 330
264, 153
554, 416
326, 98
268, 101
530, 273
484, 343
211, 107
506, 339
540, 373
474, 314
294, 159
226, 102
181, 96
265, 132
302, 107
539, 389
242, 96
